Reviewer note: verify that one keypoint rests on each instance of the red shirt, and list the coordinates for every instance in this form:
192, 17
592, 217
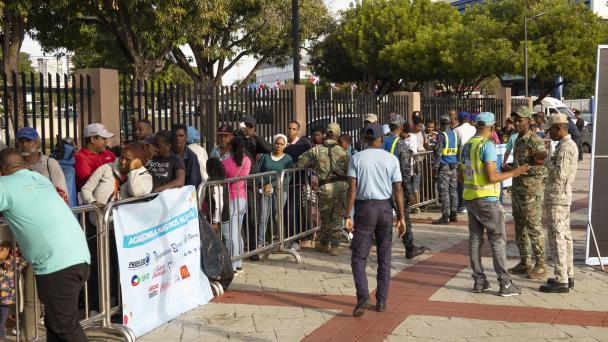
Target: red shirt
88, 161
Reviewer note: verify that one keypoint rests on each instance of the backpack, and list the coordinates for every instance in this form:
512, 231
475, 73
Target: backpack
64, 154
216, 262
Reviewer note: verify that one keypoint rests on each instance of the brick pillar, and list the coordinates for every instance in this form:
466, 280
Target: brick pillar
298, 105
105, 106
504, 94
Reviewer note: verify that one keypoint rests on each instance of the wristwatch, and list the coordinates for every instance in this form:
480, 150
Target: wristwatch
346, 217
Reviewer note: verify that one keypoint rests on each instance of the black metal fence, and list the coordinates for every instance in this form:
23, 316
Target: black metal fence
202, 106
348, 110
516, 103
55, 105
434, 107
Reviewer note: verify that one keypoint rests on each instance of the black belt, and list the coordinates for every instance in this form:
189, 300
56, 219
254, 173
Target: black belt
374, 201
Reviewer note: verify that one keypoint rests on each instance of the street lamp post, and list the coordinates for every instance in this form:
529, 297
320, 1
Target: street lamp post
526, 48
295, 28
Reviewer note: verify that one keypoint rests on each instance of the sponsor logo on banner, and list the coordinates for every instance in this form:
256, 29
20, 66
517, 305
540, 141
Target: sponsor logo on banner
175, 247
190, 237
153, 290
159, 271
158, 256
186, 253
139, 263
165, 286
183, 271
136, 279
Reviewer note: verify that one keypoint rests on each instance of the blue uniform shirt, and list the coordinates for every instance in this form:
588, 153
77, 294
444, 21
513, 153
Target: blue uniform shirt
375, 171
45, 228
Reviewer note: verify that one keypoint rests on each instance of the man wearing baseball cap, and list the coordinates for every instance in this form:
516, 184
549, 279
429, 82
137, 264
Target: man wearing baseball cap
526, 194
330, 163
373, 177
28, 142
94, 154
368, 119
254, 147
477, 170
561, 172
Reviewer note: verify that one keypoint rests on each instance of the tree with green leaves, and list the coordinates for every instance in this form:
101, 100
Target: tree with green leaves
562, 42
224, 32
144, 31
14, 24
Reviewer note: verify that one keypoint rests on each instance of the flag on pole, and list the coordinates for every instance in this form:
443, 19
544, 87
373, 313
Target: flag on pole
333, 85
353, 87
314, 80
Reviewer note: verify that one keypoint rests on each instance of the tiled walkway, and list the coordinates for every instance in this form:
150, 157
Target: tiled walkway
429, 299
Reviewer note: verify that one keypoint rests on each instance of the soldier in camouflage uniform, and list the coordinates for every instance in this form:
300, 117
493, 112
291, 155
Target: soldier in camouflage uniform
561, 171
526, 192
330, 163
445, 169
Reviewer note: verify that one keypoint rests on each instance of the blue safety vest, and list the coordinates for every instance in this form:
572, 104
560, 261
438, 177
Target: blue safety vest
449, 150
390, 144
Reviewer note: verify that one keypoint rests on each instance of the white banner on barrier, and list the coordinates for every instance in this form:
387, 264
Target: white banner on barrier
159, 258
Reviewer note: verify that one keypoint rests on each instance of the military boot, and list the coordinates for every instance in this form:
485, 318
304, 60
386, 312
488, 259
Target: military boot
522, 268
442, 220
323, 248
539, 270
453, 216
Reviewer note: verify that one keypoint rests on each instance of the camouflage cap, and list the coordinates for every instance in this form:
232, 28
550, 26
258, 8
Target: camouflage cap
396, 121
556, 119
524, 112
333, 129
445, 119
371, 118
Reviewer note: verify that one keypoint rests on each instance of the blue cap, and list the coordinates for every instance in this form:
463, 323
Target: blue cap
193, 135
486, 118
374, 131
28, 133
463, 115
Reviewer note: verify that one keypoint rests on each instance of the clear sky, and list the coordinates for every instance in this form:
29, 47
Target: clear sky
33, 48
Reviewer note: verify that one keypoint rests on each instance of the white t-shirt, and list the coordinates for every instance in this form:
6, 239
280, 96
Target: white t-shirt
465, 132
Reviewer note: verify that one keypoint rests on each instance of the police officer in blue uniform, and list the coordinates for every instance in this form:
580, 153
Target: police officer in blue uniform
373, 176
445, 169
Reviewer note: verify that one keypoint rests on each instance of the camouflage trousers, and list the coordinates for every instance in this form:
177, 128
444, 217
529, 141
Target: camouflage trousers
446, 184
560, 240
529, 234
331, 210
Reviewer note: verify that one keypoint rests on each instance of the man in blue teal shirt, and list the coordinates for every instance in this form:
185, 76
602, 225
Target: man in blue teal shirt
481, 191
51, 240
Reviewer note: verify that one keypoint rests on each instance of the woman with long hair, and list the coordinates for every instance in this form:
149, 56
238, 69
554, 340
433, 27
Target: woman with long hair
237, 165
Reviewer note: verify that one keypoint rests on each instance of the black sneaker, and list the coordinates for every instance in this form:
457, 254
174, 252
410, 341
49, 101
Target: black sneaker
554, 281
414, 251
508, 290
442, 220
255, 257
482, 286
554, 288
361, 306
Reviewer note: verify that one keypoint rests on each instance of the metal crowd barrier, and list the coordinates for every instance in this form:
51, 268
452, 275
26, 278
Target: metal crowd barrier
249, 226
423, 164
95, 325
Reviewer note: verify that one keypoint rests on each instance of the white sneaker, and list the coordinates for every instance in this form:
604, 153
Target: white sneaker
295, 247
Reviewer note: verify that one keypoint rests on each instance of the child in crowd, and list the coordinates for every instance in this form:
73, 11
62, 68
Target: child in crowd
7, 282
214, 204
344, 141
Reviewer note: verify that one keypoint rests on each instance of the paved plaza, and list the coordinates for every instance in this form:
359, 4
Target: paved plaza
430, 297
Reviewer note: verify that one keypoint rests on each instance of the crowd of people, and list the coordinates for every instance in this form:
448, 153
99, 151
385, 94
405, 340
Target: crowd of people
360, 186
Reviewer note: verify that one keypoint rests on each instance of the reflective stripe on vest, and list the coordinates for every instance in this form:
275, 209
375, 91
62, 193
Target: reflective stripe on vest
449, 149
476, 183
394, 145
